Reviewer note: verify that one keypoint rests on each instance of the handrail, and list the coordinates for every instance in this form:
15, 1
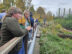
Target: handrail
31, 48
5, 49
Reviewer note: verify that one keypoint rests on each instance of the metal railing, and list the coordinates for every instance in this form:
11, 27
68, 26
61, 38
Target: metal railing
31, 48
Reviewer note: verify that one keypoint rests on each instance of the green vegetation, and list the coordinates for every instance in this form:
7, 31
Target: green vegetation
65, 22
51, 43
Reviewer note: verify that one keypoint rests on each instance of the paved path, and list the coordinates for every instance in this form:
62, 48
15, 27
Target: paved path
37, 47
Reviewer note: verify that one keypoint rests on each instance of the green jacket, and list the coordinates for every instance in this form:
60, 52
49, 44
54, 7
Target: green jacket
10, 29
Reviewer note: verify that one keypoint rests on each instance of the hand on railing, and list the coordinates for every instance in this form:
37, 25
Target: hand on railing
28, 28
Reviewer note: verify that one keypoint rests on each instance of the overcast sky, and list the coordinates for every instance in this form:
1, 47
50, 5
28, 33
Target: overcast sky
52, 5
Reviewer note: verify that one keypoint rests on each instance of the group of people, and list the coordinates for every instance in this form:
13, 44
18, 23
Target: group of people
16, 23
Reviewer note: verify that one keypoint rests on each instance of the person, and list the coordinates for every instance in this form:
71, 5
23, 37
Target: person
3, 13
28, 23
27, 17
22, 22
44, 21
32, 25
1, 16
10, 26
31, 19
37, 21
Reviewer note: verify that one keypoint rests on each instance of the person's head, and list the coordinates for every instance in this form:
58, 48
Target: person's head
14, 12
3, 10
31, 14
26, 13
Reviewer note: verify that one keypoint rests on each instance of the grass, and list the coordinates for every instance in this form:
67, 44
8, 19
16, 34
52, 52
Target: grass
51, 43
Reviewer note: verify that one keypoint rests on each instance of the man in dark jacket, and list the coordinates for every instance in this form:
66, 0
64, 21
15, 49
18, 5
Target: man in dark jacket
10, 27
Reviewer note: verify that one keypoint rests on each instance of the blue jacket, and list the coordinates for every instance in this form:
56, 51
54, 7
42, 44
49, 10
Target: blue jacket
32, 21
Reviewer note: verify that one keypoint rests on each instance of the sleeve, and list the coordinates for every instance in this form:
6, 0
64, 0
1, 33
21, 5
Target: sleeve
14, 27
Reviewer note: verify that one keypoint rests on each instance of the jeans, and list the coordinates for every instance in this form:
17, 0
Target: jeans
22, 50
30, 35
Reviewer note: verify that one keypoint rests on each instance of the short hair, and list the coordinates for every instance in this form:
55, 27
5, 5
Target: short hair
13, 10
